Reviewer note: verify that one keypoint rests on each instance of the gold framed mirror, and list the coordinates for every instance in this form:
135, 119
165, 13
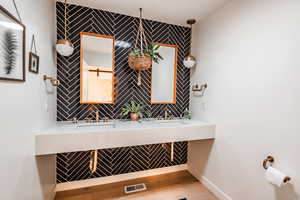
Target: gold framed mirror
164, 75
97, 68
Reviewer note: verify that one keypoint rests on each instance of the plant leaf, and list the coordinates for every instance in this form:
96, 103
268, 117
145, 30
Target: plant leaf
156, 47
10, 46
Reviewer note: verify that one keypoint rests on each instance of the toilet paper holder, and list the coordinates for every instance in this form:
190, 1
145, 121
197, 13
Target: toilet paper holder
268, 162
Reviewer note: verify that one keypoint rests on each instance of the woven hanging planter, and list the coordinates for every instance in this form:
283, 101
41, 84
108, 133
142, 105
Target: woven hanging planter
142, 61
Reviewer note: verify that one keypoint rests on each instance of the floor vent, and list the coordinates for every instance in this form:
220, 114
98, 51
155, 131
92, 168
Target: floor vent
135, 188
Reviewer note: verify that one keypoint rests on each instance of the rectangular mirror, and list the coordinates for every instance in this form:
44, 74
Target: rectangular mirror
164, 76
97, 56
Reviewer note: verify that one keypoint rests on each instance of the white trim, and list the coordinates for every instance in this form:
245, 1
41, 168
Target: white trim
214, 189
117, 178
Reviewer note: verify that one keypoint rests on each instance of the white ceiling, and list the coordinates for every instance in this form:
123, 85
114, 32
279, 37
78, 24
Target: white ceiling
169, 11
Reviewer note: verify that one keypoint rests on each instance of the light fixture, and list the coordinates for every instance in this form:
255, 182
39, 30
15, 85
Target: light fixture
190, 61
65, 47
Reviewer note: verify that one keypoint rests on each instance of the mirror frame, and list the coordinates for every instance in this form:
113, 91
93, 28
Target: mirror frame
175, 74
81, 66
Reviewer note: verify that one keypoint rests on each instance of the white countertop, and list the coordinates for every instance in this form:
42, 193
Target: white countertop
69, 137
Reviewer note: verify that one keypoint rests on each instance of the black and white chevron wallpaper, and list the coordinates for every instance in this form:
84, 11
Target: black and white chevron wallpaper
73, 166
83, 19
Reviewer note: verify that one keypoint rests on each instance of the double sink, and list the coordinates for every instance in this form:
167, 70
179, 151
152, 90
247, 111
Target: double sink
66, 137
115, 123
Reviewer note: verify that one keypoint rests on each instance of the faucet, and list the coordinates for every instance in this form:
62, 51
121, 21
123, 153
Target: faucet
166, 114
105, 119
75, 120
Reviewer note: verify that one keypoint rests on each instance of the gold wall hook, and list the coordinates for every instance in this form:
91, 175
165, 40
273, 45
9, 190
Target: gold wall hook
53, 81
172, 152
93, 161
169, 147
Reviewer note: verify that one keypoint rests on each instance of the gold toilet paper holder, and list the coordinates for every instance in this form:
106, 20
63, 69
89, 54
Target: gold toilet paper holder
268, 162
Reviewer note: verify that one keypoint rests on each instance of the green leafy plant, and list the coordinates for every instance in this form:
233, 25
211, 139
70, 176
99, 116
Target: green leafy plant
10, 46
132, 107
151, 51
187, 114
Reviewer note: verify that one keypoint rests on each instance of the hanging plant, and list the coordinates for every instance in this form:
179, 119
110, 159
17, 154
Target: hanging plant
150, 51
141, 58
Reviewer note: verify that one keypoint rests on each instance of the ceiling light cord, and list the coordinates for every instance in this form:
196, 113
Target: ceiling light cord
66, 32
141, 26
191, 25
190, 61
64, 46
191, 22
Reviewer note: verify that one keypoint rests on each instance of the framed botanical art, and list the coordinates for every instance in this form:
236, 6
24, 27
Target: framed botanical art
33, 63
12, 47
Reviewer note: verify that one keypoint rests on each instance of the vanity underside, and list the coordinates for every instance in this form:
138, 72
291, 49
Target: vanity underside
75, 166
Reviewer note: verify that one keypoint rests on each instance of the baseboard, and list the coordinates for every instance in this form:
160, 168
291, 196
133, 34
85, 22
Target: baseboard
117, 178
53, 193
214, 189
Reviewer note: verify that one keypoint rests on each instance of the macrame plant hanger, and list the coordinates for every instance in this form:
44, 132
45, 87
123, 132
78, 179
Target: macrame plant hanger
140, 35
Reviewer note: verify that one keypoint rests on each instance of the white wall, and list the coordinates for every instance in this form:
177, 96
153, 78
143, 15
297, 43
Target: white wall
26, 108
249, 54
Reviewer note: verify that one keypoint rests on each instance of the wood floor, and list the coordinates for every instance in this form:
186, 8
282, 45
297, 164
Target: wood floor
171, 186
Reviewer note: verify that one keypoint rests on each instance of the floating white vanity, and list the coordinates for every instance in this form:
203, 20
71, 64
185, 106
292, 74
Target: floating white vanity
82, 136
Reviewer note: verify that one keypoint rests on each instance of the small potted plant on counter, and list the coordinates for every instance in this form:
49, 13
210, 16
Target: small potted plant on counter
135, 110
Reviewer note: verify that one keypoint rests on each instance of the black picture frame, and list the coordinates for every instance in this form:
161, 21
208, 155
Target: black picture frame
9, 16
34, 63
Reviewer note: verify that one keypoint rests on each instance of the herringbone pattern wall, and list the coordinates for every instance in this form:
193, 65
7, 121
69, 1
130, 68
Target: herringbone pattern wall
74, 166
124, 28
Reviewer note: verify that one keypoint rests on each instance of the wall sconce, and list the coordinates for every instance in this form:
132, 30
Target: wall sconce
64, 47
53, 81
201, 88
190, 61
93, 161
